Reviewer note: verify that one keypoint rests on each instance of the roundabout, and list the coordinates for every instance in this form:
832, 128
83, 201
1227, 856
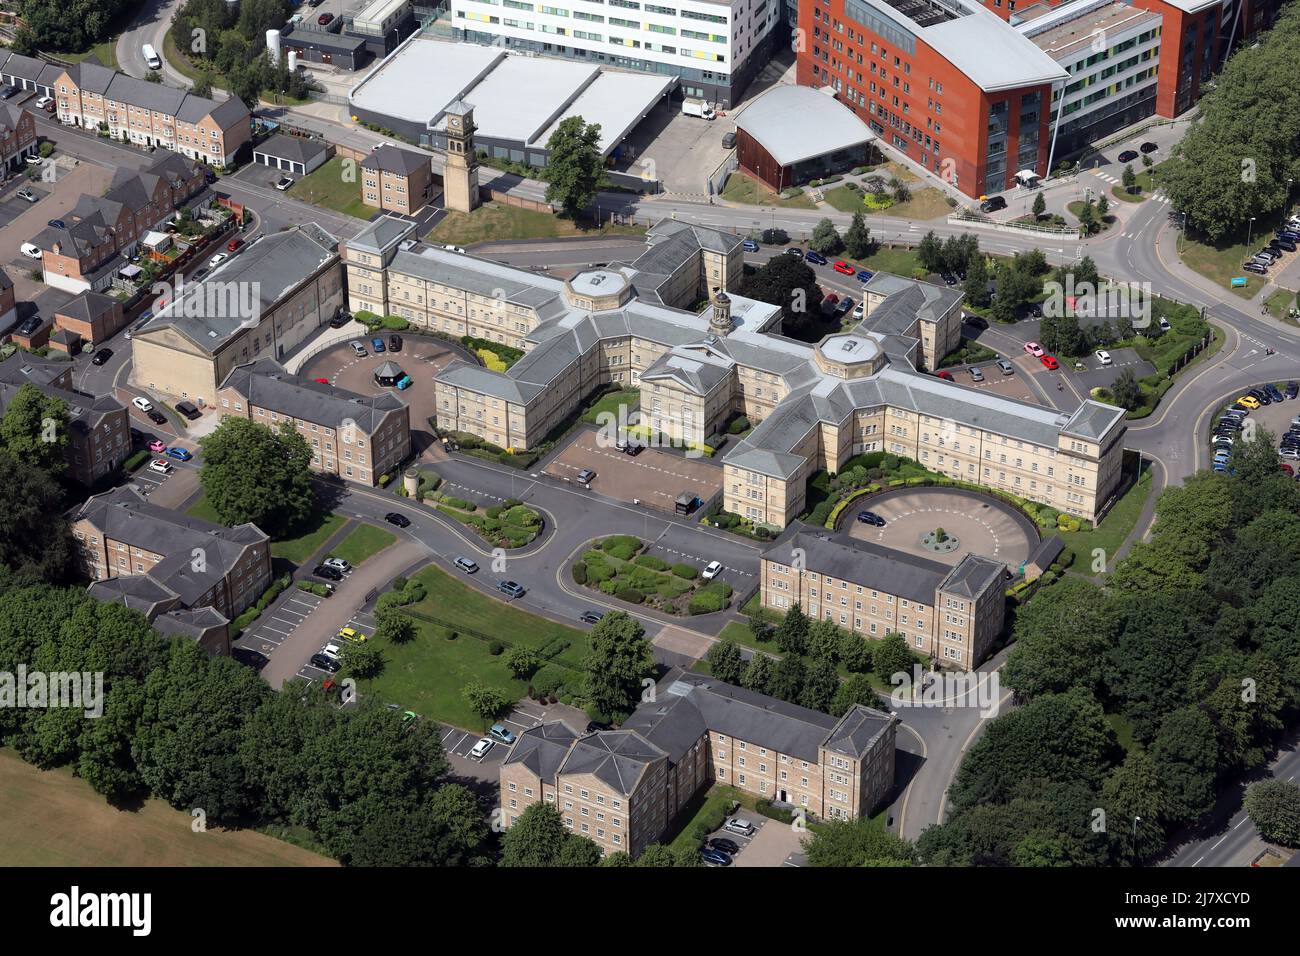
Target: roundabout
972, 523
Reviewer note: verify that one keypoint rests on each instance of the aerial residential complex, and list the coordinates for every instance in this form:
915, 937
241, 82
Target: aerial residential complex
815, 406
356, 437
622, 788
973, 92
151, 114
954, 614
715, 46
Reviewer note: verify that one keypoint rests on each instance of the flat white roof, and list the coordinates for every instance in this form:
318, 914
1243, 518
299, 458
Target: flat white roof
402, 85
794, 123
617, 101
377, 10
520, 96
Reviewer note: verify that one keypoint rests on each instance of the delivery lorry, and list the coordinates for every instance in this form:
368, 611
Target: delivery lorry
694, 107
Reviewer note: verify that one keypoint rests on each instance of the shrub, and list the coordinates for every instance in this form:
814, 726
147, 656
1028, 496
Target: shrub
738, 425
685, 571
630, 595
495, 648
621, 546
579, 572
549, 681
494, 511
459, 503
136, 460
653, 562
452, 635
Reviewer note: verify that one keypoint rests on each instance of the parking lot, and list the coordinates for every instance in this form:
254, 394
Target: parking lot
1096, 375
1009, 386
1274, 418
655, 477
280, 620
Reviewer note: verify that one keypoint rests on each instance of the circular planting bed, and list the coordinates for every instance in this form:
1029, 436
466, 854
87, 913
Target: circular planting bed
940, 542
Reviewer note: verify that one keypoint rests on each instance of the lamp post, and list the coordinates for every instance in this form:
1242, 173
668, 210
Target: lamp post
1136, 821
1250, 228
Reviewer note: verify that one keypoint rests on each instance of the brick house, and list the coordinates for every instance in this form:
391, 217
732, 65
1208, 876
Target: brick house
396, 180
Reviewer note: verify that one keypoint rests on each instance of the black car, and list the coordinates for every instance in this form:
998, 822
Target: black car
30, 325
325, 662
394, 343
871, 518
976, 322
1256, 268
340, 320
7, 92
57, 224
254, 659
1148, 147
102, 356
725, 845
1128, 156
328, 573
714, 857
157, 417
816, 258
1229, 423
398, 519
1273, 393
590, 617
993, 204
188, 410
1286, 245
1292, 389
634, 448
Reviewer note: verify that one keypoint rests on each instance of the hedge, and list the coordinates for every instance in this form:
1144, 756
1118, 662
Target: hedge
549, 681
136, 460
460, 503
653, 562
249, 616
685, 571
630, 595
579, 572
311, 587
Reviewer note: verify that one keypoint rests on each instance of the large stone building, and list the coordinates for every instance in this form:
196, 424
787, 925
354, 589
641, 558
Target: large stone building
262, 303
99, 430
167, 564
356, 437
151, 114
952, 613
815, 406
623, 788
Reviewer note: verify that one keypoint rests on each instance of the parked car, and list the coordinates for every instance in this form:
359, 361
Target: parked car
859, 311
284, 183
157, 417
1006, 367
396, 518
749, 245
189, 410
326, 663
976, 375
1049, 362
1286, 245
714, 857
1249, 401
816, 258
404, 383
160, 465
327, 573
377, 344
976, 322
250, 657
466, 565
180, 454
481, 749
1034, 349
1273, 392
7, 92
142, 403
500, 732
1104, 357
510, 589
324, 18
1128, 156
216, 260
843, 268
728, 140
358, 349
586, 476
725, 845
44, 103
27, 194
1256, 268
394, 343
30, 250
993, 204
634, 448
711, 570
739, 825
590, 617
865, 276
234, 244
945, 375
340, 564
341, 319
871, 518
792, 251
1148, 147
101, 356
350, 635
1292, 389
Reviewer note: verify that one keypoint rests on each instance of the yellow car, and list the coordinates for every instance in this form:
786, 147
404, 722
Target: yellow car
352, 636
1248, 401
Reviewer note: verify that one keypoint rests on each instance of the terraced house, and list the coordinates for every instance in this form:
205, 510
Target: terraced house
194, 574
17, 136
356, 437
624, 788
953, 614
151, 114
815, 406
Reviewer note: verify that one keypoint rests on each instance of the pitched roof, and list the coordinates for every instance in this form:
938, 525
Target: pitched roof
972, 576
266, 384
542, 749
299, 149
617, 758
390, 159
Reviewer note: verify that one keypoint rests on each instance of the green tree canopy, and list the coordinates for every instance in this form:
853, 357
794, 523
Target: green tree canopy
575, 165
251, 473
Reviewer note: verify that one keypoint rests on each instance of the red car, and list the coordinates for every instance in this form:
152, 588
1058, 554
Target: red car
945, 375
234, 244
324, 18
1288, 469
1050, 363
323, 381
843, 268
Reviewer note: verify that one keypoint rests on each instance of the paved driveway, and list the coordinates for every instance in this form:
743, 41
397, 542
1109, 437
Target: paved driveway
654, 477
772, 845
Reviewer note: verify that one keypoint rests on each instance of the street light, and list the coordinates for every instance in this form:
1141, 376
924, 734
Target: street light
1136, 821
1250, 227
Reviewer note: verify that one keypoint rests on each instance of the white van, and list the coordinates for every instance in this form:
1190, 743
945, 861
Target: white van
30, 250
151, 57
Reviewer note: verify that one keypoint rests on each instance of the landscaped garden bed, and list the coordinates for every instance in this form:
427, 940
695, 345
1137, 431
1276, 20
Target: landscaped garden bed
621, 567
511, 524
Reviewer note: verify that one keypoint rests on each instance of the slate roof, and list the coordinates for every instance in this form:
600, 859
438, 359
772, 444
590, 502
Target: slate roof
298, 149
266, 384
972, 576
390, 159
191, 623
139, 592
857, 731
617, 758
85, 412
542, 749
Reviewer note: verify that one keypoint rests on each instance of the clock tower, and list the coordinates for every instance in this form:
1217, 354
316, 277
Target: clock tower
460, 176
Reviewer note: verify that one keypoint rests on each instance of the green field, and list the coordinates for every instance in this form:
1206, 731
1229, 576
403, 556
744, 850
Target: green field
744, 189
105, 51
304, 544
1110, 534
1222, 263
494, 222
51, 818
364, 541
327, 187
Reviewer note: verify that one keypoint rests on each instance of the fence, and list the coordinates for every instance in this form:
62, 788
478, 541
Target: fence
718, 178
1024, 228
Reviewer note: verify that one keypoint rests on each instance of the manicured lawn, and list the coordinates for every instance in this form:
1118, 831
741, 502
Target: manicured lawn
845, 199
427, 675
326, 187
711, 802
495, 221
105, 52
1076, 209
610, 402
742, 188
620, 566
364, 541
927, 203
203, 509
1110, 534
455, 604
901, 262
304, 544
1279, 302
51, 818
1223, 262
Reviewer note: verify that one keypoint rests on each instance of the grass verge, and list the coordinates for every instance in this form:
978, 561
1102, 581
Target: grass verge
495, 222
364, 541
745, 189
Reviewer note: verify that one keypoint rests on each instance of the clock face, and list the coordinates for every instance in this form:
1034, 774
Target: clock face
455, 124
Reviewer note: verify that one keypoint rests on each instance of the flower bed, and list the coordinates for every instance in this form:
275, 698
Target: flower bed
619, 567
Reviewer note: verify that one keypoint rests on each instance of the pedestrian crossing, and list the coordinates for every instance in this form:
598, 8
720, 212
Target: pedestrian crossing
1116, 181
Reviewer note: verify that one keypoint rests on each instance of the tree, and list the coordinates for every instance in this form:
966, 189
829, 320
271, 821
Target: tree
522, 662
855, 652
253, 474
820, 686
1186, 758
824, 640
929, 252
393, 626
1129, 179
976, 286
789, 283
1061, 643
724, 662
34, 428
34, 540
1131, 791
842, 843
1103, 207
486, 701
857, 241
1088, 217
788, 677
203, 85
1040, 206
540, 838
856, 690
575, 166
891, 656
758, 675
826, 238
620, 659
1125, 390
792, 633
1274, 808
362, 661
